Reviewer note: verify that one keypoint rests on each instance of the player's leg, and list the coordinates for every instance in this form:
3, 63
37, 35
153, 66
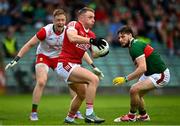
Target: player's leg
73, 95
79, 90
135, 91
141, 107
158, 81
76, 74
92, 82
41, 79
142, 116
136, 100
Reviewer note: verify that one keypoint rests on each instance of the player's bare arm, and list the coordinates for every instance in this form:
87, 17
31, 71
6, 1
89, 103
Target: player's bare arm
22, 51
75, 38
33, 41
95, 70
141, 68
87, 58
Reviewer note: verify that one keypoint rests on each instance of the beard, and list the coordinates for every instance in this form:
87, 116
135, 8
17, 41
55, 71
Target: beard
125, 45
90, 26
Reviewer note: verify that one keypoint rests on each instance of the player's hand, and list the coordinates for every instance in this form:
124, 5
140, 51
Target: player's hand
119, 80
99, 42
12, 63
98, 72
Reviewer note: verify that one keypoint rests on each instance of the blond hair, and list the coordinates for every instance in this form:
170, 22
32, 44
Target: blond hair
58, 12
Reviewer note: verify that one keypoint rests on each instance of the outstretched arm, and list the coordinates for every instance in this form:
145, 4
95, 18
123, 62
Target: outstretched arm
141, 68
33, 41
22, 51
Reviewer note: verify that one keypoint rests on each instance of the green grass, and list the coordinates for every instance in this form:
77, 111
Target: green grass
15, 109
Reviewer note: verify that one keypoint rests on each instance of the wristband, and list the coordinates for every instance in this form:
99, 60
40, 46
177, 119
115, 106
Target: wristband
126, 79
16, 58
91, 40
92, 65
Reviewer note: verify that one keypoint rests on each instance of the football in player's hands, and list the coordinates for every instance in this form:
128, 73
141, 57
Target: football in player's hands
100, 52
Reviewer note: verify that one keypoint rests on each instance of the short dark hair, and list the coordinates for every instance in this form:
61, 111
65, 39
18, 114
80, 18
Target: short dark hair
126, 29
84, 10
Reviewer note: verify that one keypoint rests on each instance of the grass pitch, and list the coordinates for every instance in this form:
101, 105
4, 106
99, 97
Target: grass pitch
15, 109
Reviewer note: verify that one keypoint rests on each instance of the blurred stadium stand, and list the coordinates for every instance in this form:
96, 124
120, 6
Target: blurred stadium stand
117, 62
157, 20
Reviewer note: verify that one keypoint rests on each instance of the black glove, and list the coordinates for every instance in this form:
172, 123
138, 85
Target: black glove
99, 42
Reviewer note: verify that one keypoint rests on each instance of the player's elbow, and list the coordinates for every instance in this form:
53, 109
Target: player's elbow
142, 69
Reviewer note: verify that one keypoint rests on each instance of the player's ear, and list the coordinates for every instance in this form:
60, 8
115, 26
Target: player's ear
129, 36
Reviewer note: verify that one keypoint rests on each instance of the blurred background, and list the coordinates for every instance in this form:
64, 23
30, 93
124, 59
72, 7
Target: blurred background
154, 21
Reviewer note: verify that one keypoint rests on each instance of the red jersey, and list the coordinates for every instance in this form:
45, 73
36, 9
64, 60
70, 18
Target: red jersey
73, 52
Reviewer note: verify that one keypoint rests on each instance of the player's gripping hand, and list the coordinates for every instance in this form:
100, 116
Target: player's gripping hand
98, 72
99, 42
12, 63
119, 80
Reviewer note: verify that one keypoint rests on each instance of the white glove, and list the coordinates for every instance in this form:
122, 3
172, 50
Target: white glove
98, 72
12, 63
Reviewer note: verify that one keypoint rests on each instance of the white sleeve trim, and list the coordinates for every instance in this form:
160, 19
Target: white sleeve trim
71, 29
140, 56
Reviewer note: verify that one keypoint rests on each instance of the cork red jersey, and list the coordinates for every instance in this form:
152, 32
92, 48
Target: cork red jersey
72, 51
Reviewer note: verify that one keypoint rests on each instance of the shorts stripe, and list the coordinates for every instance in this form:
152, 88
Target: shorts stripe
161, 79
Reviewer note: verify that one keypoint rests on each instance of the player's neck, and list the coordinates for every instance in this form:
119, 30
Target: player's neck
131, 40
86, 29
58, 31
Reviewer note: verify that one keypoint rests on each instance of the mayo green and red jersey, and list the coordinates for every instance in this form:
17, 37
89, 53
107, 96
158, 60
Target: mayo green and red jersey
153, 60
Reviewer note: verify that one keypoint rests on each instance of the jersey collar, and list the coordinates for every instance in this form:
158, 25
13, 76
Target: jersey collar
86, 30
57, 33
131, 41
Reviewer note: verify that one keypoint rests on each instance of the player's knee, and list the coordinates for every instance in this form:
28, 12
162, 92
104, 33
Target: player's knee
41, 82
95, 80
82, 96
134, 90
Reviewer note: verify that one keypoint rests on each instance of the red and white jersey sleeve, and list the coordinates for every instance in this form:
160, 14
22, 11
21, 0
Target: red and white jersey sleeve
51, 42
73, 52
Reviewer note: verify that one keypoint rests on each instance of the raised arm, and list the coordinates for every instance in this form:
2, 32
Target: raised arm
33, 41
23, 51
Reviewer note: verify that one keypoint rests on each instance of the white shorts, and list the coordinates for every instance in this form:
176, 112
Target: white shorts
64, 70
159, 80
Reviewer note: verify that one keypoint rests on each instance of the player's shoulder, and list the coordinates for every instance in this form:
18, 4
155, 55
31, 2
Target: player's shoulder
72, 24
137, 42
48, 26
136, 45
